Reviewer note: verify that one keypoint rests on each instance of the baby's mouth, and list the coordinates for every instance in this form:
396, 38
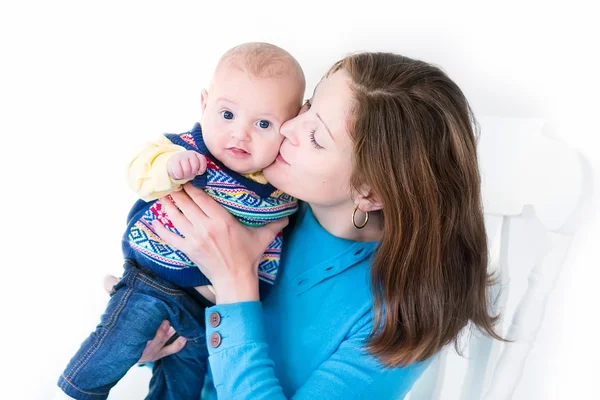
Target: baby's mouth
236, 151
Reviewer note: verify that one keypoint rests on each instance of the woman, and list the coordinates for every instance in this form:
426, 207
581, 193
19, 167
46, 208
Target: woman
384, 264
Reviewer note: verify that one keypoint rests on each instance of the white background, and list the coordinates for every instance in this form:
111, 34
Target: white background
83, 84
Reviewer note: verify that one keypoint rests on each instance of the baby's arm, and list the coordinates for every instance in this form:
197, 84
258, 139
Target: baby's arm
161, 167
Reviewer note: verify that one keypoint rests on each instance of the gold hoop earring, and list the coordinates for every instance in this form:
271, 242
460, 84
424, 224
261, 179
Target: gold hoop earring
354, 221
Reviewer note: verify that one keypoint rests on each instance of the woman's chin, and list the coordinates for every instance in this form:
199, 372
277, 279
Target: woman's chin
275, 173
269, 171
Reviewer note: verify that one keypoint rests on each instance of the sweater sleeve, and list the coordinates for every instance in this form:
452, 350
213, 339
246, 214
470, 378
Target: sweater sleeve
242, 369
147, 173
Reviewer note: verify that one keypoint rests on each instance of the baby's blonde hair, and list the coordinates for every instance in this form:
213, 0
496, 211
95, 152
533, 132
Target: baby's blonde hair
262, 60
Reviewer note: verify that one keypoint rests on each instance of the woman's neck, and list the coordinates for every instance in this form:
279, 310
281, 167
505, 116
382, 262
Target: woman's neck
337, 220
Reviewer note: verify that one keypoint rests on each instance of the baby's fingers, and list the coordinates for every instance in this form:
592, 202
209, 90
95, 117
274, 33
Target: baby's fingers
175, 171
186, 168
194, 164
201, 164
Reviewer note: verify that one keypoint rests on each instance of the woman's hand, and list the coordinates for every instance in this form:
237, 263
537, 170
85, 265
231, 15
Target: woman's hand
226, 251
156, 349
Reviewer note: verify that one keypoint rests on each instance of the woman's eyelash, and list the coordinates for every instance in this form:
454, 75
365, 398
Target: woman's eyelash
313, 141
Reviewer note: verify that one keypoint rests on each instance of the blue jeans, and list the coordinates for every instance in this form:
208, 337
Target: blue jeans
138, 305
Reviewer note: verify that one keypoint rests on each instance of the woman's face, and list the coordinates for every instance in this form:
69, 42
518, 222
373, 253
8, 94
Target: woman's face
315, 159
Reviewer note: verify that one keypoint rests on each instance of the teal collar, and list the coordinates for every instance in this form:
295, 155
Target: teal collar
325, 255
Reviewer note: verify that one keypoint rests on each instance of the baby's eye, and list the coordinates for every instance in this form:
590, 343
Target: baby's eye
264, 124
227, 114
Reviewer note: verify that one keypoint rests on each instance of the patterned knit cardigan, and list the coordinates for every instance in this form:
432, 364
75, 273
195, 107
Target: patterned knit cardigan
253, 203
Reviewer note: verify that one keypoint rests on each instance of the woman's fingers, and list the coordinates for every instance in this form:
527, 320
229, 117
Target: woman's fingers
181, 222
188, 206
172, 348
154, 346
207, 204
171, 238
156, 349
269, 231
277, 226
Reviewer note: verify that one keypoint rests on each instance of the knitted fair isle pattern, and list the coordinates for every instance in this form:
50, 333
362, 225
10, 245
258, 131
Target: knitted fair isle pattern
247, 206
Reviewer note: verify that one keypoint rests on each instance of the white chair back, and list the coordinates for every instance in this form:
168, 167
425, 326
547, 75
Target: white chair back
533, 188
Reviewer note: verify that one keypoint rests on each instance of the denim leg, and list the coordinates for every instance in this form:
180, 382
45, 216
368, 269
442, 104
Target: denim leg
129, 321
138, 305
180, 375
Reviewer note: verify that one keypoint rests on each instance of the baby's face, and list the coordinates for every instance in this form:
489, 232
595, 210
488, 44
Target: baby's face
242, 116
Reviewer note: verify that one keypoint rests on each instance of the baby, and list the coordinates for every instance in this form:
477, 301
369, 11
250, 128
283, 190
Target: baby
255, 88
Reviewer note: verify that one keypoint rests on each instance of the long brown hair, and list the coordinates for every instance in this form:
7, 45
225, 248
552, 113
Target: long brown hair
415, 148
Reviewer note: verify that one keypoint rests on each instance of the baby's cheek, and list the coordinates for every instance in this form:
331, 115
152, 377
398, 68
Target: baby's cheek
274, 146
266, 151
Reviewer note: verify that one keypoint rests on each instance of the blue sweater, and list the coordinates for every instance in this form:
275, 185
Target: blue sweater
306, 340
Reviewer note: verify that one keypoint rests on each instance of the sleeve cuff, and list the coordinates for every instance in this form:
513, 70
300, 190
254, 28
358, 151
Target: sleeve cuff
230, 325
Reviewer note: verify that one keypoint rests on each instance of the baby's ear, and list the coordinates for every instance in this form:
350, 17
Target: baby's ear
203, 99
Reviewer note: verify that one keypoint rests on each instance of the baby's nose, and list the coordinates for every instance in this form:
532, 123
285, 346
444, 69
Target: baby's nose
241, 133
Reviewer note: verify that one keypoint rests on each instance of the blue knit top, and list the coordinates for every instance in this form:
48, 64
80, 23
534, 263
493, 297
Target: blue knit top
307, 339
253, 203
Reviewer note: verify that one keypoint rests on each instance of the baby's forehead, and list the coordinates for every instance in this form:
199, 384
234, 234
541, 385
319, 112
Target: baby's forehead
273, 93
276, 73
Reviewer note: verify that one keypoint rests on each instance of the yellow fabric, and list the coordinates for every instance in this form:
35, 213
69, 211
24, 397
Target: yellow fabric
257, 177
147, 173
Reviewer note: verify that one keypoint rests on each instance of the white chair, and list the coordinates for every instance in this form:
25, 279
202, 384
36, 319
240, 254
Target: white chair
533, 188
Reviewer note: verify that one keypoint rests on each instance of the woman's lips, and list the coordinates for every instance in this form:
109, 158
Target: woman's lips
281, 159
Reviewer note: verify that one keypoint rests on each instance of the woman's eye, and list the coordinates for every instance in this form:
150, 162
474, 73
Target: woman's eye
264, 124
314, 141
227, 114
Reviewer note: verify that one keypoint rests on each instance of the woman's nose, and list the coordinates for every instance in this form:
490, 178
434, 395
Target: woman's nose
288, 130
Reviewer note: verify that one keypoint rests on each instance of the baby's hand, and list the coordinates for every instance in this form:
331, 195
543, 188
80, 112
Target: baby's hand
186, 165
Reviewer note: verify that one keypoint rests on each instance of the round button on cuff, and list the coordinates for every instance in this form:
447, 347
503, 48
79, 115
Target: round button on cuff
214, 319
215, 339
